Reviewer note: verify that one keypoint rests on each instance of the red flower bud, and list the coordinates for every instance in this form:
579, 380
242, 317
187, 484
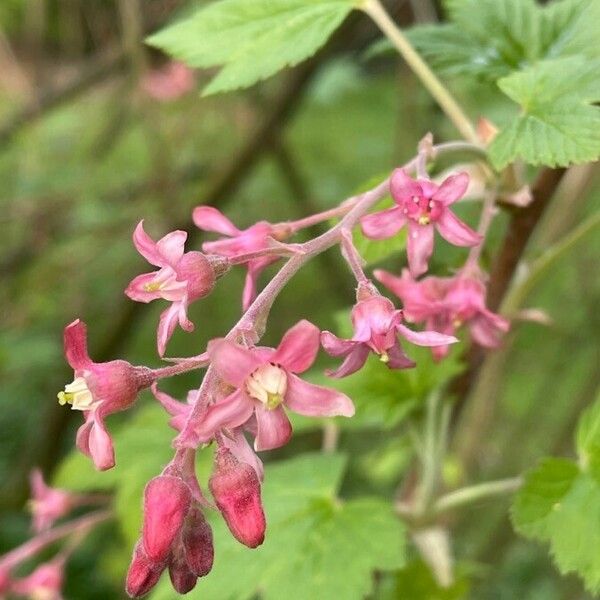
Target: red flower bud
167, 500
182, 578
143, 574
236, 490
198, 543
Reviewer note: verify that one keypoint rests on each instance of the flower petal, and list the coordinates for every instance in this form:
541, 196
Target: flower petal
419, 247
398, 358
233, 362
403, 187
75, 341
249, 292
335, 346
274, 428
316, 401
425, 338
170, 289
172, 406
383, 224
230, 412
298, 348
453, 230
100, 445
146, 246
170, 247
487, 329
238, 446
452, 188
166, 326
209, 218
354, 361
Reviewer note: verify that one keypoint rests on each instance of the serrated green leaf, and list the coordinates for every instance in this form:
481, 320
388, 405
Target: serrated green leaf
252, 39
588, 439
316, 546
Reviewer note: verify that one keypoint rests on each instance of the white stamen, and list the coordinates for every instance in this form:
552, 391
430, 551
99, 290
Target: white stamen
268, 385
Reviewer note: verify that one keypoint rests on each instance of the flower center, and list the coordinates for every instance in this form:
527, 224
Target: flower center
78, 395
153, 286
267, 384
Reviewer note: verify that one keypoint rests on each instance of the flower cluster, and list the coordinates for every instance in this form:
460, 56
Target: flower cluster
242, 405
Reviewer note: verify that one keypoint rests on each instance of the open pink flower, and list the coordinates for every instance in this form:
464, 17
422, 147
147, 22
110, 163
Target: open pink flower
376, 327
447, 303
423, 206
169, 83
259, 236
98, 389
48, 504
181, 279
265, 380
45, 582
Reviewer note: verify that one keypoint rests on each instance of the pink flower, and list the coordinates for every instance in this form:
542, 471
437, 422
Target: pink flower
376, 327
169, 83
236, 489
98, 389
238, 242
423, 206
234, 439
181, 279
265, 380
48, 504
45, 582
445, 304
175, 535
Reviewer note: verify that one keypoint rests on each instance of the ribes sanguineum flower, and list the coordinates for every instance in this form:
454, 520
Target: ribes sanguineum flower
182, 278
447, 303
235, 486
377, 325
422, 206
265, 381
98, 390
260, 236
170, 82
175, 535
44, 583
48, 504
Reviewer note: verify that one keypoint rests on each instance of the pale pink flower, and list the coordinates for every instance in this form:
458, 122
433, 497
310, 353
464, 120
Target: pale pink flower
48, 504
44, 583
422, 205
181, 279
265, 380
377, 325
235, 487
172, 81
260, 236
98, 389
445, 304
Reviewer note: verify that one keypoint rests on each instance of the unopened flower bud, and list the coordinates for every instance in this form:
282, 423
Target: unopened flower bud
143, 574
167, 501
197, 541
196, 269
236, 490
181, 575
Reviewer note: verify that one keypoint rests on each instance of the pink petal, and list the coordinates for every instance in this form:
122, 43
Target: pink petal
241, 449
440, 352
166, 326
453, 230
39, 489
274, 428
249, 292
487, 329
419, 247
100, 446
146, 246
335, 346
233, 362
383, 224
170, 247
176, 290
184, 322
403, 187
209, 218
398, 358
425, 338
298, 348
354, 361
75, 341
172, 406
230, 412
452, 188
316, 401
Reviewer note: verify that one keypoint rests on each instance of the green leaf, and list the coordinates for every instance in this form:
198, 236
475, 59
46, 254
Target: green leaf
317, 546
560, 504
251, 39
557, 123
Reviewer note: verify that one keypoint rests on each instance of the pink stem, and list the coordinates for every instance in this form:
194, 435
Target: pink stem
184, 366
352, 257
326, 215
39, 542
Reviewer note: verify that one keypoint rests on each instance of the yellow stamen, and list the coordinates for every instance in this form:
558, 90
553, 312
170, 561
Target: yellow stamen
273, 401
424, 220
65, 398
152, 287
384, 358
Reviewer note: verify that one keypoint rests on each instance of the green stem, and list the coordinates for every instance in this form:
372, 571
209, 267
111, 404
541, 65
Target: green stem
473, 493
431, 454
428, 78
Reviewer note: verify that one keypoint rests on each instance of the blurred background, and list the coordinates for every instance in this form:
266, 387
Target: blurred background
98, 131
